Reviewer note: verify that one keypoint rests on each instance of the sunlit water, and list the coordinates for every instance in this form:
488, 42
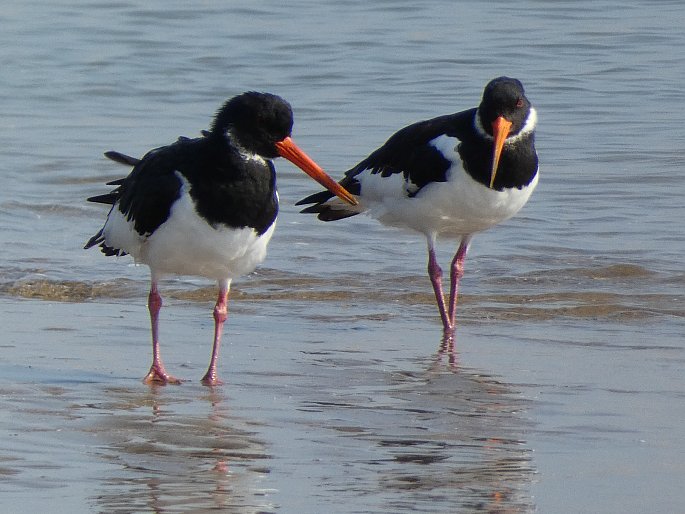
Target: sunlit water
565, 392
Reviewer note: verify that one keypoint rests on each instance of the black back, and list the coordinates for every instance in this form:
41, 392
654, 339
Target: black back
227, 189
409, 151
227, 171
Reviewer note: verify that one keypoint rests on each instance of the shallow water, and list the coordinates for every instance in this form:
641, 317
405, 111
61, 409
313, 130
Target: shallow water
564, 392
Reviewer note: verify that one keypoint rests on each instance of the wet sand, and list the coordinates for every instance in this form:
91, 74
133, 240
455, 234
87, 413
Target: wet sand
304, 421
340, 410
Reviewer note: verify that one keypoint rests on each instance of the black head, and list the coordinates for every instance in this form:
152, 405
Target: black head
256, 121
504, 97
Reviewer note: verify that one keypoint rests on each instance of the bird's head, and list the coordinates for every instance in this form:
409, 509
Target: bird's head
503, 113
261, 123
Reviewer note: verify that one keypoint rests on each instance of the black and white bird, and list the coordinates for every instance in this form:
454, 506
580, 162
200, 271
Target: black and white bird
451, 176
205, 206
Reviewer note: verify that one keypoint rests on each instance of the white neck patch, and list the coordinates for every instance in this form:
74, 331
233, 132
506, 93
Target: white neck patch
528, 127
245, 154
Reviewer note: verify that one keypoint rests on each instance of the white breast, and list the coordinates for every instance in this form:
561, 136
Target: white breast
185, 244
454, 208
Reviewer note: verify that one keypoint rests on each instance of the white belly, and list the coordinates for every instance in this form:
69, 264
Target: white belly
186, 245
454, 208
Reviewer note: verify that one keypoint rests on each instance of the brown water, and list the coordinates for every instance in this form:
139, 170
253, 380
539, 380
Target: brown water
564, 392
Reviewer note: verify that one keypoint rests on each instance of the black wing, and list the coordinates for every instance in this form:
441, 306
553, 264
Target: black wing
145, 196
111, 197
408, 152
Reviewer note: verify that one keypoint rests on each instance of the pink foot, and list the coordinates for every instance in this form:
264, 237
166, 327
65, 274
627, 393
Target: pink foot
158, 376
211, 379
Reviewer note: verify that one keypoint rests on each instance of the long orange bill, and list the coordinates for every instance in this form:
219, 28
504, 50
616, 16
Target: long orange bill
500, 130
289, 150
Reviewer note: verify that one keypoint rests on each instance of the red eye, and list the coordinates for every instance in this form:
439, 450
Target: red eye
519, 102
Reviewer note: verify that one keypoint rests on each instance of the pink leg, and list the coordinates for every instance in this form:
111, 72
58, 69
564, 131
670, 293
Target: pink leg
157, 373
220, 315
456, 272
435, 274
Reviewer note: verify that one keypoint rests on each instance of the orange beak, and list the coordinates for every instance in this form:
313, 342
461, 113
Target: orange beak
500, 131
289, 150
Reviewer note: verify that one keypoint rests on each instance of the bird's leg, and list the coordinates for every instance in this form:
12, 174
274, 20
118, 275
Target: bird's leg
220, 316
435, 274
157, 373
456, 272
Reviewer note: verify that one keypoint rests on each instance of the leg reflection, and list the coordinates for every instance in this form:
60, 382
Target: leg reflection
447, 350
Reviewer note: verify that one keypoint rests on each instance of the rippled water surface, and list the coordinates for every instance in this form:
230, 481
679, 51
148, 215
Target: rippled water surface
564, 392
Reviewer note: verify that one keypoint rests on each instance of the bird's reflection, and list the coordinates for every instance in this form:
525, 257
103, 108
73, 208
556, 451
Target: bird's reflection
476, 442
177, 450
447, 351
217, 414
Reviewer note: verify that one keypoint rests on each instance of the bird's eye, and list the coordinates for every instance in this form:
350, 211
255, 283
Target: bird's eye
519, 103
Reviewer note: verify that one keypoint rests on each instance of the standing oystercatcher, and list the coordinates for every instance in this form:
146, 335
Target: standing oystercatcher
452, 176
205, 206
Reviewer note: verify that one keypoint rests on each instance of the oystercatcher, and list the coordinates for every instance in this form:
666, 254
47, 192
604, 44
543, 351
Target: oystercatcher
452, 176
205, 206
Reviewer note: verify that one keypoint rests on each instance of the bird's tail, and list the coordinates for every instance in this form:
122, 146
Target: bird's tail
329, 207
110, 199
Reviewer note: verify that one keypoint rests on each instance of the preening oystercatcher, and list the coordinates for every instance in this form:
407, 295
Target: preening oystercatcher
205, 206
451, 176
